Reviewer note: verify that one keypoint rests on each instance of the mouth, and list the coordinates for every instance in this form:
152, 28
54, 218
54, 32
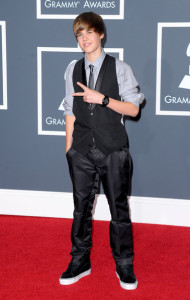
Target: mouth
86, 45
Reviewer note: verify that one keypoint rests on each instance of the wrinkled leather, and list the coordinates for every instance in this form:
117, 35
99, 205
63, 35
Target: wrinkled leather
114, 172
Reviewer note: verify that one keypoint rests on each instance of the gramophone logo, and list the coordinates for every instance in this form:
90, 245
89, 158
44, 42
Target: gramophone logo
173, 69
185, 83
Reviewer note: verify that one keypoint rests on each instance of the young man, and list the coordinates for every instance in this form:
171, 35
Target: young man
99, 91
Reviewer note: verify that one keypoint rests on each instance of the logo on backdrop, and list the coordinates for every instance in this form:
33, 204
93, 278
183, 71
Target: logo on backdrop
185, 83
51, 87
173, 69
58, 9
3, 66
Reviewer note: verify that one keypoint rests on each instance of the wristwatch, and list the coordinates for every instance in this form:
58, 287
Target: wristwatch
105, 101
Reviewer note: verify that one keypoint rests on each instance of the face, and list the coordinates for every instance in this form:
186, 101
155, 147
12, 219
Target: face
90, 42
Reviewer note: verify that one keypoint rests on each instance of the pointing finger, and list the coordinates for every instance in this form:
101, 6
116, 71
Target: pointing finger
78, 94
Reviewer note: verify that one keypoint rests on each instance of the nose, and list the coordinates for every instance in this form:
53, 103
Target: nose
85, 37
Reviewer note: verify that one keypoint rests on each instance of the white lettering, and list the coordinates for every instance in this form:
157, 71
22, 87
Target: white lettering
58, 5
186, 100
47, 3
86, 4
53, 4
169, 99
74, 4
54, 121
61, 4
99, 4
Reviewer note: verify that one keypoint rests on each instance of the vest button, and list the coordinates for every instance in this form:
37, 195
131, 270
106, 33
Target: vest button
91, 113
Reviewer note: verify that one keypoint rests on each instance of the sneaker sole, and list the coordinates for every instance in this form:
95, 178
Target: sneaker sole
67, 281
127, 286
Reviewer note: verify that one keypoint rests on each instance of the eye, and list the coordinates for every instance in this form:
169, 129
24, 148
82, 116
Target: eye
78, 34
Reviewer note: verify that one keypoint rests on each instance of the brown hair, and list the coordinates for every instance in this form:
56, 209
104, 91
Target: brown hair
88, 20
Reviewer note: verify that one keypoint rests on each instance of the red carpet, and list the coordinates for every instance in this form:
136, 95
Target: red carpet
35, 251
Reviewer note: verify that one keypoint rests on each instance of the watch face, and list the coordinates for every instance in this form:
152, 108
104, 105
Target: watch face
105, 101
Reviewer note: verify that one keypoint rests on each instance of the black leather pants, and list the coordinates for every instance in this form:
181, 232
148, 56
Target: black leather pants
114, 172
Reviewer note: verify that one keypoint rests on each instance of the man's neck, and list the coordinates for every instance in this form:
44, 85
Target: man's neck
92, 57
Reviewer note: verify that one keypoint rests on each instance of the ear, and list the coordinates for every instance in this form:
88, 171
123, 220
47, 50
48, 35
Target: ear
101, 36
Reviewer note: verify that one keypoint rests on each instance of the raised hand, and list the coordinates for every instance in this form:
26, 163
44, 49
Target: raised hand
89, 96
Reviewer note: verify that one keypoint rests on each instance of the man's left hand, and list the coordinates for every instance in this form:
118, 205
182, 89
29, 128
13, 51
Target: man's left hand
89, 96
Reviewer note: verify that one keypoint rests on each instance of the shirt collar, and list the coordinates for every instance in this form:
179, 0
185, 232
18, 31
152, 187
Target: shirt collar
97, 63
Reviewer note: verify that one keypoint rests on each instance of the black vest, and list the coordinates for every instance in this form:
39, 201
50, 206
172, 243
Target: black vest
100, 123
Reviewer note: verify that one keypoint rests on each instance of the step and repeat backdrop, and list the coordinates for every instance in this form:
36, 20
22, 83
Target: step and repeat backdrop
37, 44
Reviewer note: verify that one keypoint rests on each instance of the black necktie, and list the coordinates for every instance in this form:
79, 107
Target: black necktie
91, 81
91, 78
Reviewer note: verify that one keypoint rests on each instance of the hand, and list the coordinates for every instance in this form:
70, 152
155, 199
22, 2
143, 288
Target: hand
89, 96
67, 149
